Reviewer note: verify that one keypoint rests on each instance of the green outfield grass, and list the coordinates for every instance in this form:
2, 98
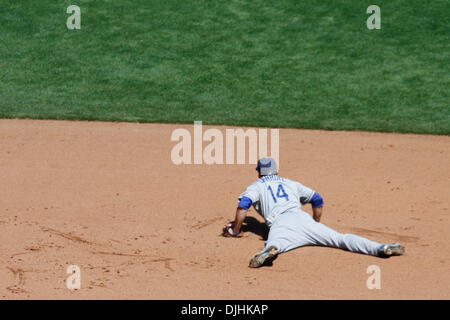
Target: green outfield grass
274, 63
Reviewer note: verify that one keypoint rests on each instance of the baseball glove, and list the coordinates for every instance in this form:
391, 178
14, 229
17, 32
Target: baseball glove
227, 231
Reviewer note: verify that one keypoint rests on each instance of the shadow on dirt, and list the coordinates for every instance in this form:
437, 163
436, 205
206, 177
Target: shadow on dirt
251, 224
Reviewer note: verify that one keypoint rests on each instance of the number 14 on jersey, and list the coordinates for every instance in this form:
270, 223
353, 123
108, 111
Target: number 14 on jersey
280, 193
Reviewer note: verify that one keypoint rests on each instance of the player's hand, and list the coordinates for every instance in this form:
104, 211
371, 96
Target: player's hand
227, 231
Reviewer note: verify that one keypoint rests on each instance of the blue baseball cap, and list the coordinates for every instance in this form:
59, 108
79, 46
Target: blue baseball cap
267, 166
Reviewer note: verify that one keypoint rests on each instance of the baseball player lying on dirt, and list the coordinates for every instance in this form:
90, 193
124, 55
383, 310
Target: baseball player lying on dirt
278, 200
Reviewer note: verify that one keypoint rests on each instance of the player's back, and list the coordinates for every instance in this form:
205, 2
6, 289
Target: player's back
272, 195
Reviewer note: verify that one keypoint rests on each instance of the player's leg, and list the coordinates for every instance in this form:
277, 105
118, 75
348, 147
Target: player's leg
284, 234
288, 231
296, 229
322, 235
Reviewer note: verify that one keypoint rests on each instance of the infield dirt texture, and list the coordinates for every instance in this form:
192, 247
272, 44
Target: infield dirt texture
107, 197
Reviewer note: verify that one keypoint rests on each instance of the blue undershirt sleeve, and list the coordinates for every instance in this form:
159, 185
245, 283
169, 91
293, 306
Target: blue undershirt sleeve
316, 200
245, 203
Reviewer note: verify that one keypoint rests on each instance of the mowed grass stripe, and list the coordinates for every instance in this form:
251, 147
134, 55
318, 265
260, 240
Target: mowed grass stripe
300, 64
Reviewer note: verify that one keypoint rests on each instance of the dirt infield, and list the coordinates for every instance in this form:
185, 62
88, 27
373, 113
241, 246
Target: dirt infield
107, 197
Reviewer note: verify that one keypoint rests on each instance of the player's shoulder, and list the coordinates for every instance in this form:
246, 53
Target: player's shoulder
254, 184
295, 184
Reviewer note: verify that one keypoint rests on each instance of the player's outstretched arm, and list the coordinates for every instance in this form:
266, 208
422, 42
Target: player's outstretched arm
233, 229
317, 205
239, 220
317, 213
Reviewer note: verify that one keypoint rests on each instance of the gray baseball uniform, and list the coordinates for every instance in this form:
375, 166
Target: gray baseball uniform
278, 200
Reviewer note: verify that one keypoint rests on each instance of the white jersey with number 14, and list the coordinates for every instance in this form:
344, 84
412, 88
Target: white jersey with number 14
273, 195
